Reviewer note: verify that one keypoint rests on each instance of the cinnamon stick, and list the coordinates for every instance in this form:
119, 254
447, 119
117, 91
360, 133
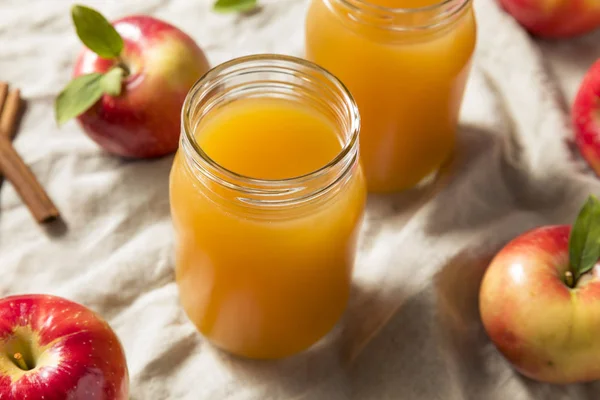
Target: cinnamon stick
3, 93
14, 168
10, 114
25, 183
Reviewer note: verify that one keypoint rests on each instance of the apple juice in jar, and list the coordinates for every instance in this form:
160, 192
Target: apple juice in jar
406, 62
267, 197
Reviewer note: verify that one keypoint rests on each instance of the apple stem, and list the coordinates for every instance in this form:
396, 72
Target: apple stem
121, 64
20, 361
570, 279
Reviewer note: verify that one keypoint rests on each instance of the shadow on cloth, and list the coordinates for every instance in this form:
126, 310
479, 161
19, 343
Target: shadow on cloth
494, 183
439, 329
481, 195
327, 378
291, 378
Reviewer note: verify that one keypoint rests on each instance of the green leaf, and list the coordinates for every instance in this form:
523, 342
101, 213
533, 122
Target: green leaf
584, 243
79, 95
112, 82
96, 32
228, 6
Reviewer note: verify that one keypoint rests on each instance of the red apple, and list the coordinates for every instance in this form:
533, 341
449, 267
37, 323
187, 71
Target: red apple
145, 119
54, 349
547, 329
586, 117
555, 18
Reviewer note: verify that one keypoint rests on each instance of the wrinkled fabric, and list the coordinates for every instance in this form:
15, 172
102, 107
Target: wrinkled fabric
412, 329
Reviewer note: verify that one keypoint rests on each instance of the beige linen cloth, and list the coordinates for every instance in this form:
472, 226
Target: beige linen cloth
412, 329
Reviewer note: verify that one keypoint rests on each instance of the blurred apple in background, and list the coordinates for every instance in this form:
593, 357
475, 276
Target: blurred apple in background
54, 349
555, 18
586, 117
540, 300
130, 83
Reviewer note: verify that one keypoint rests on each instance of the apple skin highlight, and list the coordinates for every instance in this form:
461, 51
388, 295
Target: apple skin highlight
144, 121
547, 330
70, 352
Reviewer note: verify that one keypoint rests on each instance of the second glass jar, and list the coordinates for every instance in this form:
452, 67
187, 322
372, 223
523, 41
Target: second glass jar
407, 69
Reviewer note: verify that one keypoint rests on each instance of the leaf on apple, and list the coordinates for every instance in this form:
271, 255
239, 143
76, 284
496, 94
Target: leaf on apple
112, 82
96, 32
584, 243
228, 6
79, 95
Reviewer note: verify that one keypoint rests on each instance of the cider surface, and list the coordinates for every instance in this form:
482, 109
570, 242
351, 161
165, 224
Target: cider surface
269, 138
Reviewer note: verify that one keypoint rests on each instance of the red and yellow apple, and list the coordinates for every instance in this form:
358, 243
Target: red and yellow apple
555, 18
545, 328
54, 349
162, 64
586, 117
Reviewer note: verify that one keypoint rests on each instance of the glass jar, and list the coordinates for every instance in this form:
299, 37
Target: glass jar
407, 69
264, 266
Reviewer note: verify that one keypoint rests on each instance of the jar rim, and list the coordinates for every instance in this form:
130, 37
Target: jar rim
349, 145
402, 19
403, 10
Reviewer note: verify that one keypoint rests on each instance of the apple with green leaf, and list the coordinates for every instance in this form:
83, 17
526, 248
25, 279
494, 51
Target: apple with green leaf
54, 349
540, 300
130, 83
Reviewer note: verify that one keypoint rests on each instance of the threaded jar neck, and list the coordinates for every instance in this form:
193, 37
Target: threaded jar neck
399, 20
271, 76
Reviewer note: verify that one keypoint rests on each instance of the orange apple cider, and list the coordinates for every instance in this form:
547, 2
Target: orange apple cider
267, 198
293, 141
407, 69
